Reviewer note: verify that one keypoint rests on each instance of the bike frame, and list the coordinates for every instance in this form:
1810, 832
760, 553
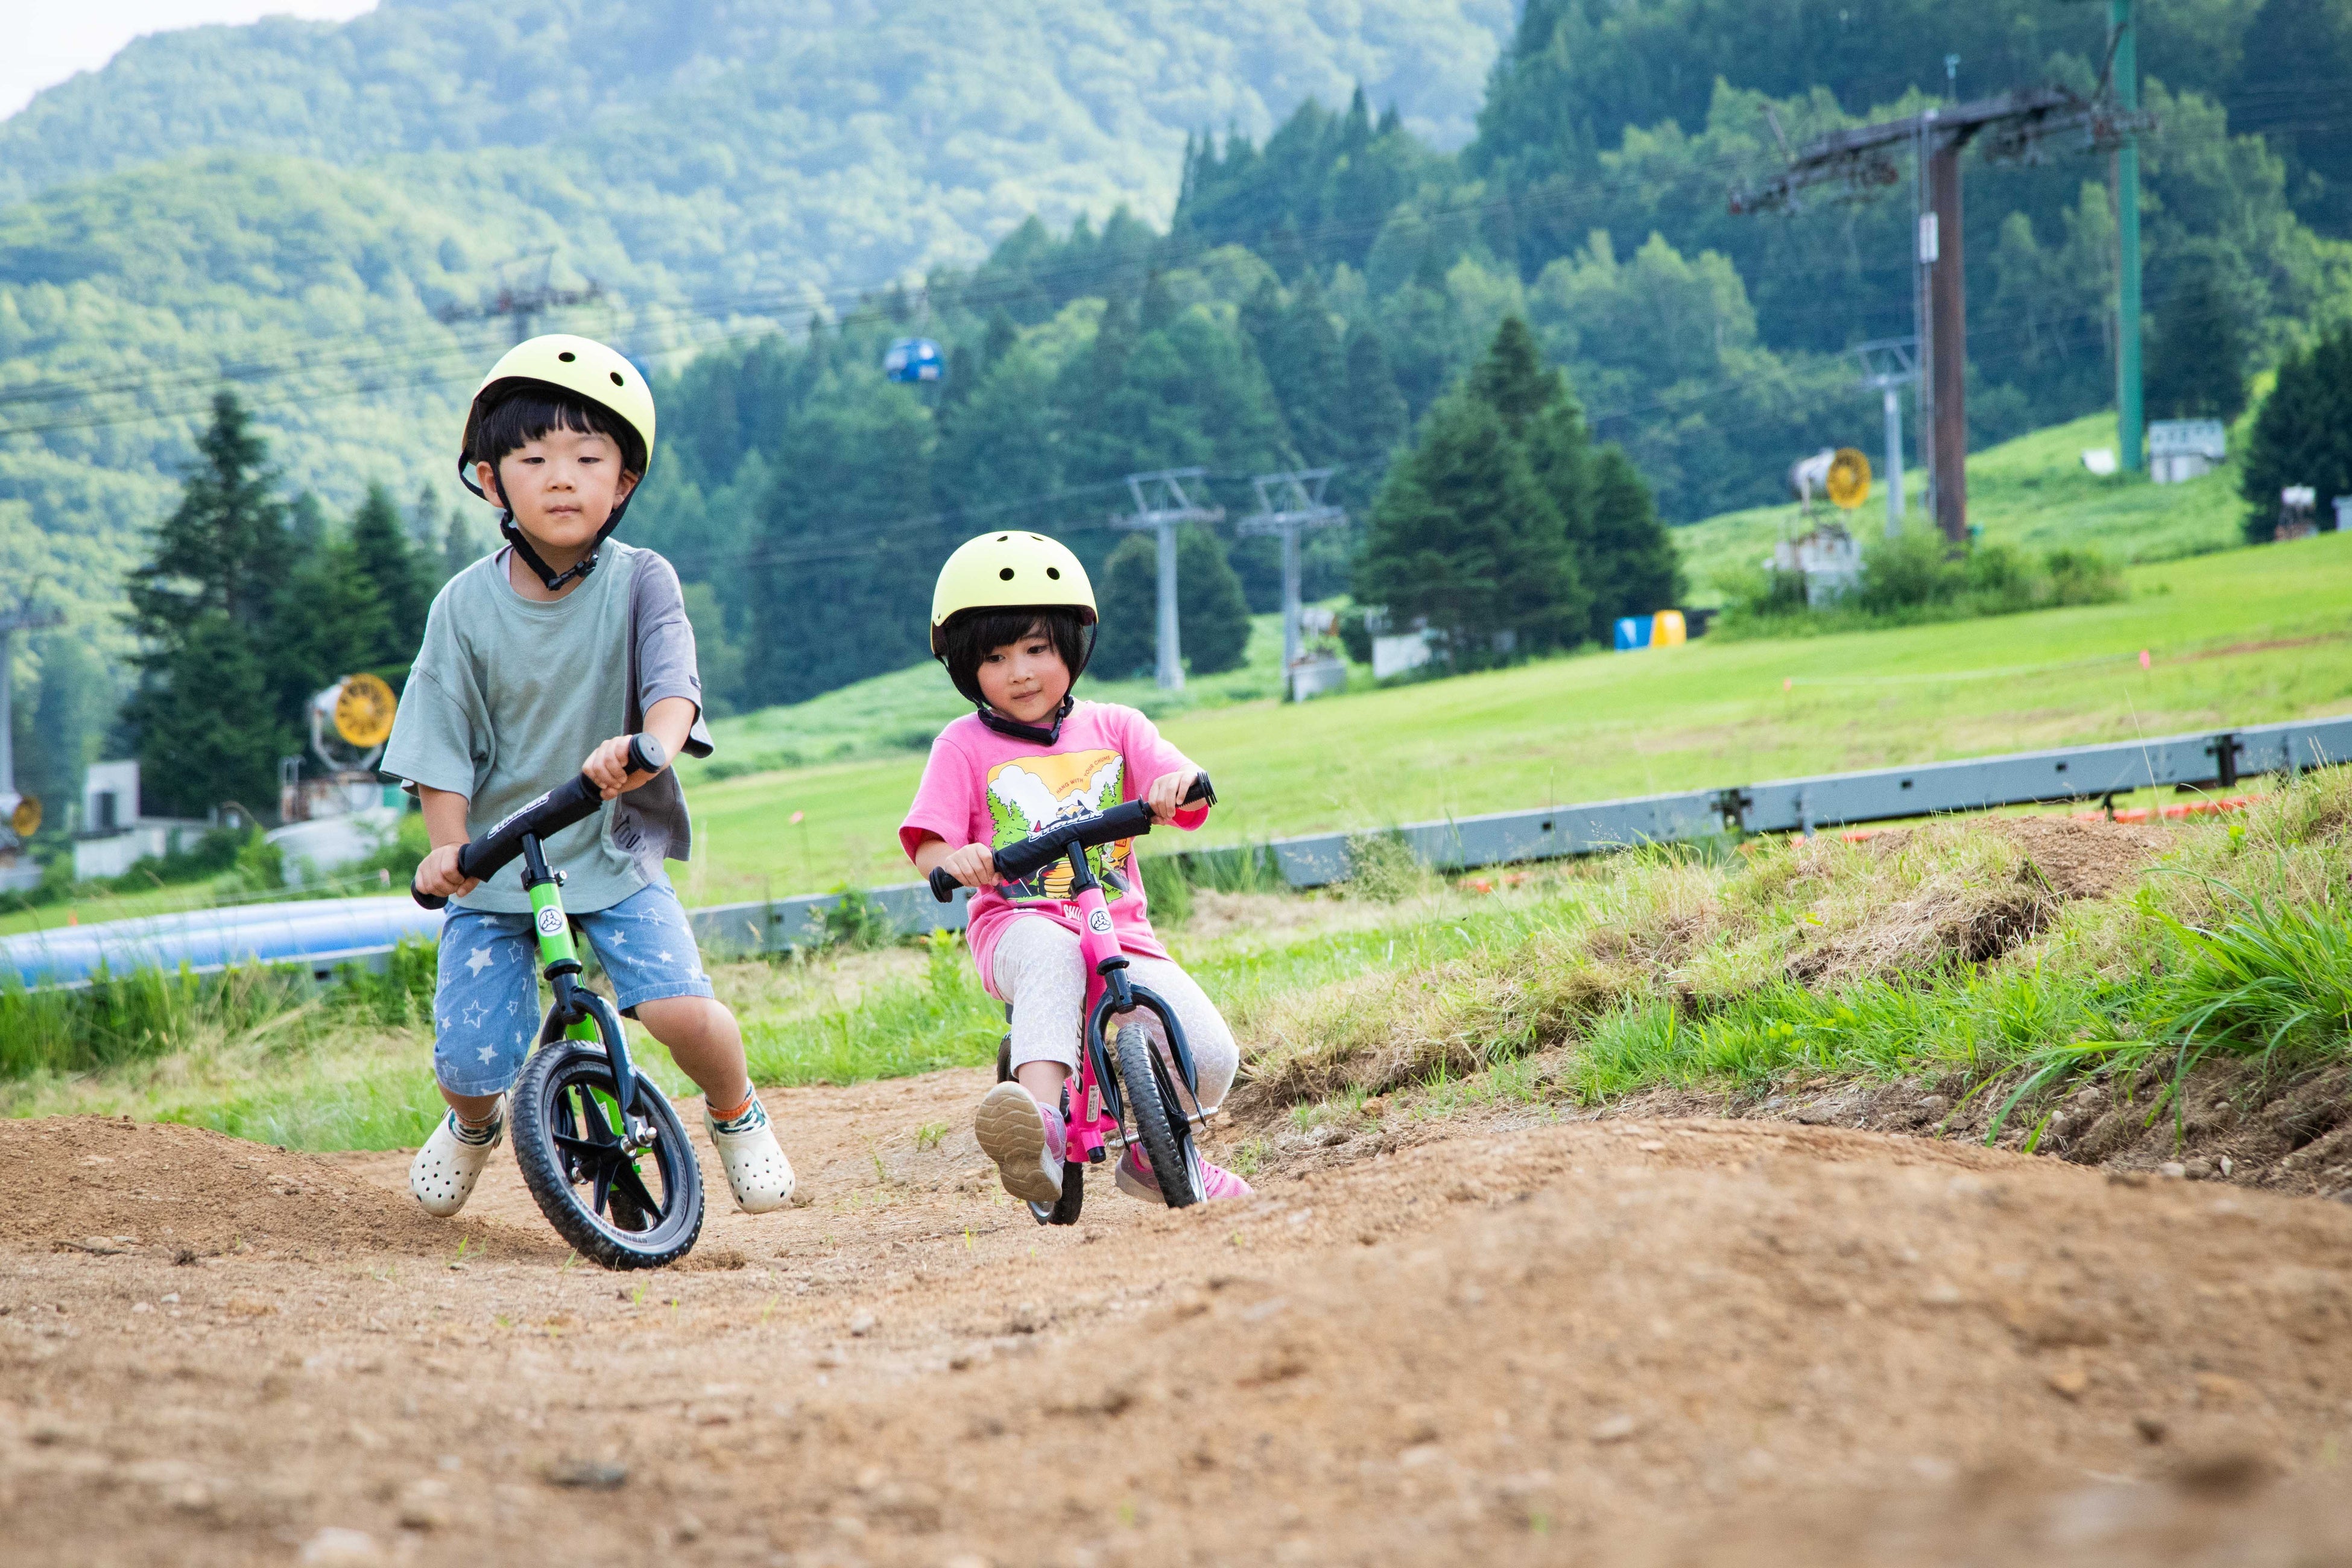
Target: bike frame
1095, 1113
578, 1014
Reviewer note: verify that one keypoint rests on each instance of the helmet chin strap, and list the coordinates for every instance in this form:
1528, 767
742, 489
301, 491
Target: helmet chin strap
1043, 734
531, 558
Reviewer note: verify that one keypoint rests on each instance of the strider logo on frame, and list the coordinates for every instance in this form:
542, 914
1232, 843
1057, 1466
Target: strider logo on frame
551, 921
1099, 922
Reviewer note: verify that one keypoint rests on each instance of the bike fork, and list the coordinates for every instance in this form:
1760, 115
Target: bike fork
560, 962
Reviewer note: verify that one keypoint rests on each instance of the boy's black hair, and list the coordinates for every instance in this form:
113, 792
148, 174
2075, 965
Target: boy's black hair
975, 635
535, 407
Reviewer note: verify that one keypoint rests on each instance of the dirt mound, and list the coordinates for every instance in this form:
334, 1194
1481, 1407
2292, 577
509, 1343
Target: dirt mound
103, 1185
2084, 859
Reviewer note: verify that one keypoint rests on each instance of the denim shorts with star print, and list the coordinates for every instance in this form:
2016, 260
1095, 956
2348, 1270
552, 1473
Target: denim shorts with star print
488, 1005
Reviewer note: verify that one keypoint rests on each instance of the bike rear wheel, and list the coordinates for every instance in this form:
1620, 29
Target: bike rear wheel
1160, 1126
618, 1209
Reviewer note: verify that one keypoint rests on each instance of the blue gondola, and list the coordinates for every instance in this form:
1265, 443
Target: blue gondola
915, 360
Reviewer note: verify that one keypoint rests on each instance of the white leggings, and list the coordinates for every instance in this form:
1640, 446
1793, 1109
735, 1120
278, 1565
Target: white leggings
1041, 971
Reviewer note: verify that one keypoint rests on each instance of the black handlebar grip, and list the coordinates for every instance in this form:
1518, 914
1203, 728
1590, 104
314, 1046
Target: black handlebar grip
646, 754
943, 885
1200, 790
425, 901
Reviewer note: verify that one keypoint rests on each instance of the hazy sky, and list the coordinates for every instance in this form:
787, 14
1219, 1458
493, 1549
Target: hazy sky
47, 42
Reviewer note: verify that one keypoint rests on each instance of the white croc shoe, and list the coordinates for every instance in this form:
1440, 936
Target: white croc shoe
443, 1175
756, 1167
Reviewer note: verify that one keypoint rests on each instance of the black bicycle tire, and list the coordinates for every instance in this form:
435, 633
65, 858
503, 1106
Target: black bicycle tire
1163, 1144
535, 1154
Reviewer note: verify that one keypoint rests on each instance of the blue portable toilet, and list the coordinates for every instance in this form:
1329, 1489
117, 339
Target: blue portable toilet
1633, 632
915, 360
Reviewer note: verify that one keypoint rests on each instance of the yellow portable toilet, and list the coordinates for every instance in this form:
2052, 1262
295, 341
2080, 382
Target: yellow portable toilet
1666, 627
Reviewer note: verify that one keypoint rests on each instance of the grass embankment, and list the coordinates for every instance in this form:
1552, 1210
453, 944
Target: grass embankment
1959, 962
2238, 637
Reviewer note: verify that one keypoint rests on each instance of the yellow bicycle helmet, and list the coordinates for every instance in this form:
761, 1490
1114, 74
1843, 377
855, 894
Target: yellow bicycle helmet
1012, 570
1009, 571
589, 371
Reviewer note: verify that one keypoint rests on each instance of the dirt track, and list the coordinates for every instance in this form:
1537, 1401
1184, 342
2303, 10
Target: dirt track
1635, 1343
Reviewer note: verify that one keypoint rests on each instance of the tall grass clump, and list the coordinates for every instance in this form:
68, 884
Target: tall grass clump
896, 1025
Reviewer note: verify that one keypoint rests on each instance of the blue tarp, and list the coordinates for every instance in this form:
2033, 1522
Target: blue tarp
317, 933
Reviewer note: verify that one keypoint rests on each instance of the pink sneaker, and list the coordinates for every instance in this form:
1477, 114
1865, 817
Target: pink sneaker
1024, 1139
1135, 1179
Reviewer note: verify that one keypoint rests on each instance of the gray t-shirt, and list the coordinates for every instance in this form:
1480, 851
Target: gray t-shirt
508, 696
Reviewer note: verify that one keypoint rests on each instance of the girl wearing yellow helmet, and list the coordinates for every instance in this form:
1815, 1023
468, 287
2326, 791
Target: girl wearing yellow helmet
1013, 619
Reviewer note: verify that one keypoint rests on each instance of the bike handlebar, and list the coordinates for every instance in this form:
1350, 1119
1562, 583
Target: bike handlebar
1019, 862
575, 800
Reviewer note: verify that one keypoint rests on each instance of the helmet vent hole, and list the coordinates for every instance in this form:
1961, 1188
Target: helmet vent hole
1006, 573
567, 356
1002, 537
617, 378
1055, 573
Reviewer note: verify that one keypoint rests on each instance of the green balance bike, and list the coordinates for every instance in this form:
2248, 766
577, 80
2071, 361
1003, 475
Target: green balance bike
601, 1151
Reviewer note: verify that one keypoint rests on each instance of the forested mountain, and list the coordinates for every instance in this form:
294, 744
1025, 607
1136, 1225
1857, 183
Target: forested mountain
1275, 272
243, 201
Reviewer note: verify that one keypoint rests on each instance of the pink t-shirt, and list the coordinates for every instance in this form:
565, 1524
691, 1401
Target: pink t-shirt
980, 788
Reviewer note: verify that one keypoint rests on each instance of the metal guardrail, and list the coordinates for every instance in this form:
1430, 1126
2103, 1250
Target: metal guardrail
2218, 759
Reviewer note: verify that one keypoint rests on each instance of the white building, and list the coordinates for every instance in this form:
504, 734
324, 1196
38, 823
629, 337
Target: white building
2181, 449
113, 834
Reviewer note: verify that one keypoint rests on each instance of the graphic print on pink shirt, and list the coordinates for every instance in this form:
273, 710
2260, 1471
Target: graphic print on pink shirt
982, 787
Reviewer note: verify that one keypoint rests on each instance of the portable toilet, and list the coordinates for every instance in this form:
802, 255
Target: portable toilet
1633, 632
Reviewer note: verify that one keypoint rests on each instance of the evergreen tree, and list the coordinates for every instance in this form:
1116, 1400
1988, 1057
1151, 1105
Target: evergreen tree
204, 608
331, 622
1628, 557
850, 543
1376, 420
2304, 433
460, 548
1463, 539
380, 552
210, 732
2196, 363
1212, 624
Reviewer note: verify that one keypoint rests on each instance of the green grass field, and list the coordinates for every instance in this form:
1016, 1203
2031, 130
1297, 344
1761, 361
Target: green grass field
2241, 636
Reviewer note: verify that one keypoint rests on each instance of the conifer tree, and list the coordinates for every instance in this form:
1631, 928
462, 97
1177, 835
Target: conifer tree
1212, 624
2303, 434
208, 726
380, 552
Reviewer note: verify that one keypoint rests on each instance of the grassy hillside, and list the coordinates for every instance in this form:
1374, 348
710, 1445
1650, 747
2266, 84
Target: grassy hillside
2032, 492
2239, 637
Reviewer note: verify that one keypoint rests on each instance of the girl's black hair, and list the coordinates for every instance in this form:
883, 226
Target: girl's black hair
535, 407
975, 635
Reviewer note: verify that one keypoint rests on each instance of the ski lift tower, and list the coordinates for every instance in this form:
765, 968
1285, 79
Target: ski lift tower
1286, 504
1162, 506
1889, 364
2014, 127
524, 304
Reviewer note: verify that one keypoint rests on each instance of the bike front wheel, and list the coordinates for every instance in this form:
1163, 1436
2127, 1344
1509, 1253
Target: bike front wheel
618, 1208
1160, 1125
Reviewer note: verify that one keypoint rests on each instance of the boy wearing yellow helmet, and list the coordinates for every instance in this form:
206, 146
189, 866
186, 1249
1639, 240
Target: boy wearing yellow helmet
1012, 618
559, 647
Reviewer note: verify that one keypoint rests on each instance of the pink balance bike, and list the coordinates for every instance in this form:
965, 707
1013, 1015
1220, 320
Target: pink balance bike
1119, 1075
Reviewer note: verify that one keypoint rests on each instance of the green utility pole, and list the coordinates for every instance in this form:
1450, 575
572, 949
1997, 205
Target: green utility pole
2128, 425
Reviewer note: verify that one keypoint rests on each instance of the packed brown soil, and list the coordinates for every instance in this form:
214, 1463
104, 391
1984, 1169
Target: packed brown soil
1667, 1342
102, 1185
2084, 859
